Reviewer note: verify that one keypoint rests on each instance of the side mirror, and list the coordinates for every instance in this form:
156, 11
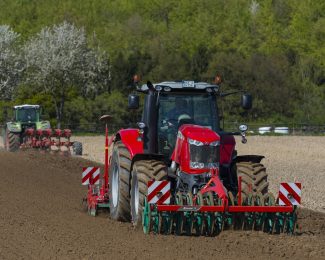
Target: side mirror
246, 101
133, 101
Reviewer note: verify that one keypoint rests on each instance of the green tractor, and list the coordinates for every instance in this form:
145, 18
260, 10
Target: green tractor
24, 117
27, 130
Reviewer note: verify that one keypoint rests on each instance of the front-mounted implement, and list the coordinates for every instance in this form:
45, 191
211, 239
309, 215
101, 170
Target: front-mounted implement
178, 171
212, 210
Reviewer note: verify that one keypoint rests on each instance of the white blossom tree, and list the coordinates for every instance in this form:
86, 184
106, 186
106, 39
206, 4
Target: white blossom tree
58, 58
10, 63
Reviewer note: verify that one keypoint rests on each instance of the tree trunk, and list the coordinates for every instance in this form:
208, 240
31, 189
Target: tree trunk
59, 106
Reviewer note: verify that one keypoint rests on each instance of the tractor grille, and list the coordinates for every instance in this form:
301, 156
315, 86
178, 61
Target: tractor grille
204, 156
28, 125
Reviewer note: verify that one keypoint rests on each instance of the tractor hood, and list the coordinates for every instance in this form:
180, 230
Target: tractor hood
199, 133
197, 149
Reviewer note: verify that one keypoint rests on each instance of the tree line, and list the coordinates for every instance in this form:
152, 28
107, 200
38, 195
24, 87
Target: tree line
274, 49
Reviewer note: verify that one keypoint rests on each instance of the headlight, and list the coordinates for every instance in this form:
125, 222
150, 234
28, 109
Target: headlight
215, 143
196, 165
195, 142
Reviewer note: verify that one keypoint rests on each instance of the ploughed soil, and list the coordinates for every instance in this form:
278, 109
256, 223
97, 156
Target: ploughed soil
42, 216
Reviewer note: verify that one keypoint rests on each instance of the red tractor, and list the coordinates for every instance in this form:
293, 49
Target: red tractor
179, 172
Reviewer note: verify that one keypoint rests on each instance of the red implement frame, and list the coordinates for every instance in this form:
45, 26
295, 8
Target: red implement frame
97, 196
218, 188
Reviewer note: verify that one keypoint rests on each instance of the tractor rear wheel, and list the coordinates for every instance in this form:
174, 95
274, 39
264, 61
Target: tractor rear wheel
12, 142
143, 171
119, 188
253, 176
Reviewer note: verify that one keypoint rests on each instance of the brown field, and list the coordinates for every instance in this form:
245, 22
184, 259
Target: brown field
42, 217
287, 159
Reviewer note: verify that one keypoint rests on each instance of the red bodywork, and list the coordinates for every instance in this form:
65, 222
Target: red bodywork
132, 139
181, 154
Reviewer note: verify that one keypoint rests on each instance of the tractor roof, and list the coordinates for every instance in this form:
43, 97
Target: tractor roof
167, 86
26, 106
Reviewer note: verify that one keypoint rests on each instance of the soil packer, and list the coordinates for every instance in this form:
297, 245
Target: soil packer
27, 130
179, 172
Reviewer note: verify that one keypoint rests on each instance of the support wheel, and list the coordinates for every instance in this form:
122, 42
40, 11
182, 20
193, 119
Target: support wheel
178, 218
146, 220
198, 216
77, 148
119, 176
142, 172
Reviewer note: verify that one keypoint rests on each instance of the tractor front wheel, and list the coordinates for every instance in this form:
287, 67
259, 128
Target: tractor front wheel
142, 172
119, 176
254, 177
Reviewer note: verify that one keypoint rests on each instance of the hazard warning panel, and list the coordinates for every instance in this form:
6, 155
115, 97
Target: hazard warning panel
158, 192
90, 175
290, 194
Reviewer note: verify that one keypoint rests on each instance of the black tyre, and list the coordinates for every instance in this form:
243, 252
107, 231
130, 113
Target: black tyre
77, 148
12, 142
142, 172
119, 180
254, 177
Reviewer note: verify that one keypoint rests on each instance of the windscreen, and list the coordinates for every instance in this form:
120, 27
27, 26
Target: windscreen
27, 115
177, 109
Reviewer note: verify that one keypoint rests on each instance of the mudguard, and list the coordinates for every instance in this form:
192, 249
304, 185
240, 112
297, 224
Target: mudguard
43, 125
249, 158
133, 142
131, 139
14, 127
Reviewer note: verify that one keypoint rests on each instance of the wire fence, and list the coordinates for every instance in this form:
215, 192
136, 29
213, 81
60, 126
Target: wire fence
253, 128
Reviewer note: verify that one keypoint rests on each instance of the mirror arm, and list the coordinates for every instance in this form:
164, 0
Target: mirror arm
231, 93
243, 137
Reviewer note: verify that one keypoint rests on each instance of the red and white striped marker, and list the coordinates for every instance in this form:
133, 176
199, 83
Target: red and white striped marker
290, 194
158, 192
90, 175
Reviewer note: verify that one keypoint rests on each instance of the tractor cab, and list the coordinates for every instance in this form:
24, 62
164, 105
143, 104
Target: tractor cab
27, 113
180, 123
25, 117
169, 105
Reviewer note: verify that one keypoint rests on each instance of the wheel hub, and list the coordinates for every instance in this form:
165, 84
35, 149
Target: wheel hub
114, 185
135, 196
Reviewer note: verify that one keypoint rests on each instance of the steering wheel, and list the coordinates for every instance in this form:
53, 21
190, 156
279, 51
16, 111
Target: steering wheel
175, 123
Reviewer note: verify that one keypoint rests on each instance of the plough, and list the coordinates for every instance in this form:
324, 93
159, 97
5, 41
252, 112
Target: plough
44, 139
27, 130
